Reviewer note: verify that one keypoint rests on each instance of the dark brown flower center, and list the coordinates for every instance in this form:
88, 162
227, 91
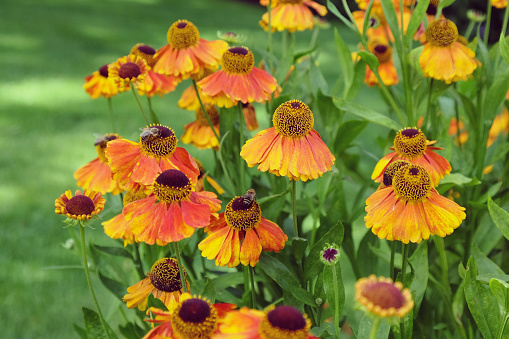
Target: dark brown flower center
194, 310
165, 275
384, 294
129, 70
382, 52
432, 9
391, 169
80, 205
172, 186
287, 318
158, 141
104, 71
146, 49
242, 213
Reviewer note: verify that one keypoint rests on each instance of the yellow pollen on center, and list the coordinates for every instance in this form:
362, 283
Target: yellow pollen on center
172, 194
290, 2
242, 215
158, 141
410, 143
131, 196
293, 118
212, 113
412, 183
238, 60
183, 34
442, 33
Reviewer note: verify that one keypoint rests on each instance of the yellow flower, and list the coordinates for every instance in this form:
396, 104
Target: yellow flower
129, 69
83, 206
292, 15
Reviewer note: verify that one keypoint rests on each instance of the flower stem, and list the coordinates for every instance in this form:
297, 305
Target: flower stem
469, 30
152, 113
336, 300
112, 120
181, 267
253, 292
241, 143
404, 263
393, 253
294, 209
139, 104
89, 281
488, 21
439, 243
205, 111
269, 40
434, 117
374, 329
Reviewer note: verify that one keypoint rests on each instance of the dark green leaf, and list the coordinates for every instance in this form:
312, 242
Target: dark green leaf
94, 327
228, 280
299, 246
367, 260
333, 9
499, 154
370, 59
331, 286
500, 217
365, 113
419, 263
347, 132
413, 59
312, 265
485, 265
500, 290
80, 331
284, 278
459, 179
157, 303
496, 94
118, 289
115, 251
418, 15
326, 108
392, 20
358, 80
504, 48
481, 303
209, 291
132, 331
345, 59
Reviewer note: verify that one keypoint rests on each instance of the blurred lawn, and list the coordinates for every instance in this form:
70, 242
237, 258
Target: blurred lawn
47, 127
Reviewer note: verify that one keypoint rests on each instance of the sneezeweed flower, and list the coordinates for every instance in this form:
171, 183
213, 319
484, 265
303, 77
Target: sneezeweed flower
386, 69
96, 175
134, 163
163, 281
80, 207
187, 53
275, 322
431, 12
330, 254
199, 133
131, 69
172, 211
250, 116
411, 144
499, 126
443, 57
292, 15
99, 83
499, 3
199, 184
193, 317
238, 79
241, 221
411, 210
292, 147
382, 297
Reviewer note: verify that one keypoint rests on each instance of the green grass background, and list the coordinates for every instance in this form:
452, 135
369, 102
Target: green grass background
47, 126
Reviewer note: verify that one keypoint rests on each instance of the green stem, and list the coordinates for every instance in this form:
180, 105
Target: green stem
205, 111
404, 263
253, 292
488, 22
181, 267
241, 143
152, 113
502, 327
89, 281
434, 117
374, 329
336, 301
139, 104
393, 254
137, 261
439, 243
469, 30
269, 40
294, 208
112, 120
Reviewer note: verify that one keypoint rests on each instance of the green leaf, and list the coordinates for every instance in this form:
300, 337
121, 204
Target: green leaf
392, 20
445, 3
419, 262
496, 94
334, 10
481, 303
80, 331
485, 265
118, 289
365, 113
228, 280
209, 291
115, 251
284, 278
345, 59
504, 48
330, 285
94, 327
358, 80
370, 59
413, 59
459, 179
299, 246
132, 331
500, 290
347, 132
499, 154
367, 260
326, 108
313, 265
500, 217
418, 15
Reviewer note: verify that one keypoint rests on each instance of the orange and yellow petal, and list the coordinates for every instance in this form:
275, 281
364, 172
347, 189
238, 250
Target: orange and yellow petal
448, 64
251, 249
156, 83
292, 17
200, 136
138, 294
97, 85
272, 237
116, 228
96, 176
500, 125
182, 161
123, 155
387, 73
243, 323
84, 209
188, 100
499, 3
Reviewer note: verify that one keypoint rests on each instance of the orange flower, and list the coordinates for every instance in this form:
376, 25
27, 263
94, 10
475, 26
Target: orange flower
500, 125
378, 27
191, 317
179, 211
292, 147
454, 128
129, 69
135, 163
443, 57
499, 3
163, 281
250, 116
186, 53
241, 221
292, 15
199, 133
212, 182
238, 80
431, 12
83, 206
99, 83
409, 208
96, 175
383, 298
275, 322
411, 144
386, 69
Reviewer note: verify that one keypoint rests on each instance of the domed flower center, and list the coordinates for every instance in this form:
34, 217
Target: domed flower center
183, 34
131, 196
383, 294
194, 318
172, 186
144, 51
238, 60
80, 205
383, 53
410, 143
158, 141
290, 2
104, 70
129, 70
284, 322
243, 213
412, 183
100, 145
441, 33
212, 113
165, 275
293, 119
391, 169
432, 9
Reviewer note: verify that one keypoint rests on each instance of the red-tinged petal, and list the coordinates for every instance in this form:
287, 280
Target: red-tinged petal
242, 324
235, 257
256, 149
146, 226
174, 227
182, 161
95, 176
195, 215
223, 309
271, 235
211, 245
251, 249
225, 252
321, 10
145, 171
123, 155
